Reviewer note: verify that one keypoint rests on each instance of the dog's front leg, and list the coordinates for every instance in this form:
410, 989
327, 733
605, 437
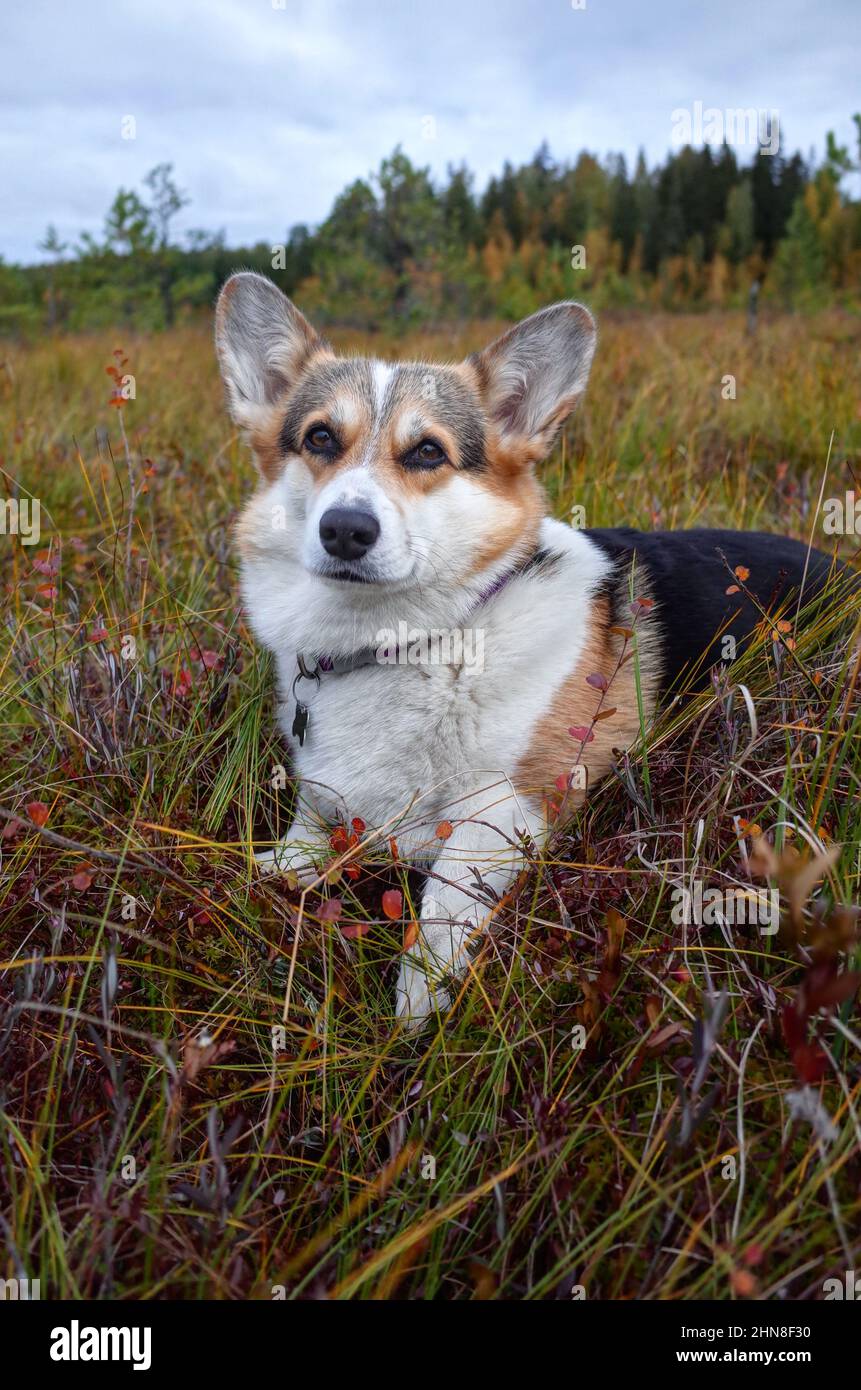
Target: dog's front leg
454, 910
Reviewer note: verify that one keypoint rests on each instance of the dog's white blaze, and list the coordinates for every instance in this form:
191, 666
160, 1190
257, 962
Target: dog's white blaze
382, 375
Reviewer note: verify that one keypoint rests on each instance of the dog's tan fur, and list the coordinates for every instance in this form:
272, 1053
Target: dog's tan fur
552, 751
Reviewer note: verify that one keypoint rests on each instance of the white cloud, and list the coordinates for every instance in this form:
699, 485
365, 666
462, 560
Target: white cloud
267, 112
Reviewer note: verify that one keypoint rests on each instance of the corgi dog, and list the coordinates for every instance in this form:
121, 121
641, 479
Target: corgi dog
454, 665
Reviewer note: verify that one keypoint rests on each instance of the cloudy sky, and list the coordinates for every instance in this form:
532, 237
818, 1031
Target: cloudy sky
267, 108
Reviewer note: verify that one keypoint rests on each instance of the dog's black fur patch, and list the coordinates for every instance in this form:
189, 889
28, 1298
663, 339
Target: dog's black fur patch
688, 574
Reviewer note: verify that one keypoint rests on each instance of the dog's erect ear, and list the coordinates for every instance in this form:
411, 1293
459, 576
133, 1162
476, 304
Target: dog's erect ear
262, 343
532, 377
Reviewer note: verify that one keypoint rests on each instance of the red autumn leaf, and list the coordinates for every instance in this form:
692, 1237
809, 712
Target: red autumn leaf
82, 880
331, 910
581, 733
597, 681
393, 847
741, 572
353, 872
358, 825
810, 1063
338, 840
563, 782
393, 904
47, 591
411, 934
641, 605
354, 930
98, 634
37, 811
808, 1058
794, 1026
825, 989
733, 589
210, 660
444, 830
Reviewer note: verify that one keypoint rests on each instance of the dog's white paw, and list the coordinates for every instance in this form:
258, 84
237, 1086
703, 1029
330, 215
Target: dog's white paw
287, 858
440, 954
418, 996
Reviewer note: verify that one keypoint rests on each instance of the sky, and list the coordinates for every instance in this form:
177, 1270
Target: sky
269, 108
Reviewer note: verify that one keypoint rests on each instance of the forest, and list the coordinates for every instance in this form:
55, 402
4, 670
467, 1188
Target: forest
399, 248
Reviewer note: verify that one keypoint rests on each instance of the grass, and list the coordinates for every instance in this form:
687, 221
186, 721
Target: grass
161, 1138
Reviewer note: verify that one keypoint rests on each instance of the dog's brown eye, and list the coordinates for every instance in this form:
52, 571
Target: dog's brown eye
321, 441
428, 454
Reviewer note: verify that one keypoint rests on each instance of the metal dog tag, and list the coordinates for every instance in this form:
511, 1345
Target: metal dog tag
300, 722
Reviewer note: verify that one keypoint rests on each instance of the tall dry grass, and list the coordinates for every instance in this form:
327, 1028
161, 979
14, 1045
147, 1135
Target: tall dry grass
157, 1139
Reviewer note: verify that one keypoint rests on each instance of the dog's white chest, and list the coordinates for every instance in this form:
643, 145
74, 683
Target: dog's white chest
404, 745
390, 745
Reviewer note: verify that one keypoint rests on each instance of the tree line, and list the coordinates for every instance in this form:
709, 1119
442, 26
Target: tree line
695, 231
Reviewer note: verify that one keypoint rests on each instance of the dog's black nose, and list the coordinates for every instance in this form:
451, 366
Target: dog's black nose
348, 533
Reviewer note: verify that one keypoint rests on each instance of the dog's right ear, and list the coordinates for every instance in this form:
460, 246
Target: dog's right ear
262, 342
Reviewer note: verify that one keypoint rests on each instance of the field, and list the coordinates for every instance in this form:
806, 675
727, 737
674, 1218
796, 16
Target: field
202, 1091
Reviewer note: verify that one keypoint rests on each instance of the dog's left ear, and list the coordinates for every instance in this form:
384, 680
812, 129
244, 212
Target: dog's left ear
533, 376
262, 342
